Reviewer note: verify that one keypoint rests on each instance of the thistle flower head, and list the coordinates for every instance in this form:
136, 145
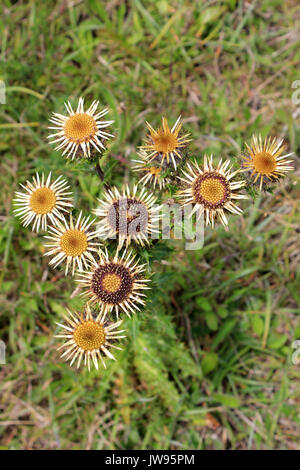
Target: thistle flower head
211, 190
80, 131
151, 171
265, 160
43, 201
129, 215
115, 283
165, 143
72, 243
87, 336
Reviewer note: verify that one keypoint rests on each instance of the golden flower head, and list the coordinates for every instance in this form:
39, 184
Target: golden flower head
265, 160
128, 215
73, 243
88, 336
115, 283
165, 143
211, 190
152, 171
43, 200
80, 131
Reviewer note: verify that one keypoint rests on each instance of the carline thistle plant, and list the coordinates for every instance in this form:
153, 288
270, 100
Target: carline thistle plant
101, 252
117, 213
80, 131
43, 201
89, 335
115, 283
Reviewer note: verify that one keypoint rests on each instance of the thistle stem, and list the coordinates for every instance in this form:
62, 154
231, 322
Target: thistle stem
99, 171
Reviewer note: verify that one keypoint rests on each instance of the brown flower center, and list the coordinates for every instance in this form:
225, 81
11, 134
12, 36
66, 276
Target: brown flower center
73, 242
112, 283
211, 190
42, 200
89, 335
128, 216
264, 163
80, 128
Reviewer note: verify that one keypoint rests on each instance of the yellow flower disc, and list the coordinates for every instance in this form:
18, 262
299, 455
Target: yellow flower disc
264, 163
73, 242
42, 200
80, 128
89, 335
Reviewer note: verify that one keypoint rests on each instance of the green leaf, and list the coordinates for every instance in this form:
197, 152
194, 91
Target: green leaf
227, 400
211, 14
276, 341
203, 303
99, 9
222, 312
211, 320
210, 362
257, 325
224, 331
57, 308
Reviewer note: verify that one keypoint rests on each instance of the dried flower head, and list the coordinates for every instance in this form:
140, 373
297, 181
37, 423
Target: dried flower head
73, 243
165, 143
128, 215
80, 131
43, 201
211, 190
265, 160
152, 171
88, 336
115, 283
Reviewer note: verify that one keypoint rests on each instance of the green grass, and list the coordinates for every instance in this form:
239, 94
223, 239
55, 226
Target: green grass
207, 364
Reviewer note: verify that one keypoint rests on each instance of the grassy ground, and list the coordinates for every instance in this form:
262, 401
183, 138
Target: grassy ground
208, 363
